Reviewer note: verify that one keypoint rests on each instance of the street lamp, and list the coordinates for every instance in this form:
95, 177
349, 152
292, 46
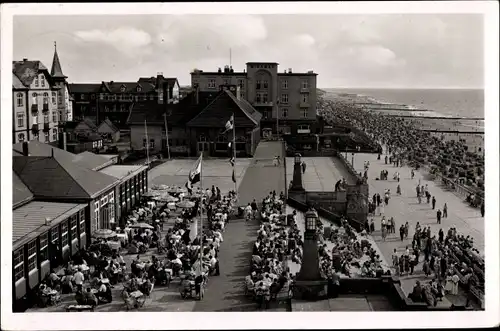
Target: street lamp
297, 158
352, 160
311, 221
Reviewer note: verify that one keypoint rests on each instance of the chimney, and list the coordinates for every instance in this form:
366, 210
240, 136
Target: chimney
289, 70
48, 221
219, 70
25, 149
25, 59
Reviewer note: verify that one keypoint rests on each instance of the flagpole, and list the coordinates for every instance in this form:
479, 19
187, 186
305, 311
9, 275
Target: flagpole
234, 156
166, 130
147, 142
201, 214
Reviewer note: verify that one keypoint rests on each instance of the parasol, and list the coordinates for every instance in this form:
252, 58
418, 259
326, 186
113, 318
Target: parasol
185, 204
104, 233
141, 226
150, 194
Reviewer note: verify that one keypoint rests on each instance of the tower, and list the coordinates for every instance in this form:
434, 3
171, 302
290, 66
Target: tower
64, 106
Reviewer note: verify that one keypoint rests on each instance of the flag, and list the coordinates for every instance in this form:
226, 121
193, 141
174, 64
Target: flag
229, 124
232, 161
234, 177
194, 175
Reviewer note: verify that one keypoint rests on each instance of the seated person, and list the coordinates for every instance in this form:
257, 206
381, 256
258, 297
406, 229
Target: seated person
80, 298
67, 283
90, 298
53, 279
104, 295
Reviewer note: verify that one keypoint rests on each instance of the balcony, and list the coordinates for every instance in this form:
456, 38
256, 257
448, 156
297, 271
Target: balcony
35, 129
46, 126
305, 104
261, 103
34, 109
304, 90
45, 107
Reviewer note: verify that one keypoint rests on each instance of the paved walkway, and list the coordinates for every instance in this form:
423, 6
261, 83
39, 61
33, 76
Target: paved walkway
321, 173
226, 292
405, 208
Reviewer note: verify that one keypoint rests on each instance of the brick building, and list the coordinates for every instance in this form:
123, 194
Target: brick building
40, 100
287, 97
113, 100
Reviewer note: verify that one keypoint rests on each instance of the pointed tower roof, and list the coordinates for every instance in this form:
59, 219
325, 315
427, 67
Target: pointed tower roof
56, 71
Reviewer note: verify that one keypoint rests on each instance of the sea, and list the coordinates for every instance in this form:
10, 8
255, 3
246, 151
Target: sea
440, 102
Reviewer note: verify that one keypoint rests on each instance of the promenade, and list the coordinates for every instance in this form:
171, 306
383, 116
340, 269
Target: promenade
405, 208
321, 173
225, 293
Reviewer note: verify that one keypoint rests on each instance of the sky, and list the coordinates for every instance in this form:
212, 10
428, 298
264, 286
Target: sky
347, 51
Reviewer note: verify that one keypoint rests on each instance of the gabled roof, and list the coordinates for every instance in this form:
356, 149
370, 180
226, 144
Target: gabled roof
110, 124
49, 178
20, 192
149, 111
36, 148
27, 70
84, 88
56, 70
130, 87
91, 161
90, 123
218, 112
188, 107
171, 81
17, 84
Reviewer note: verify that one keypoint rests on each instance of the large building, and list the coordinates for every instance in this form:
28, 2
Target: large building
286, 98
40, 100
113, 100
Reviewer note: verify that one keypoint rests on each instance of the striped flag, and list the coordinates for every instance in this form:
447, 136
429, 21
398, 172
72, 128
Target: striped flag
234, 177
232, 161
229, 124
194, 174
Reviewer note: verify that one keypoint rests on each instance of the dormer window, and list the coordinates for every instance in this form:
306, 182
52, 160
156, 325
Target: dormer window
139, 89
42, 79
122, 89
36, 82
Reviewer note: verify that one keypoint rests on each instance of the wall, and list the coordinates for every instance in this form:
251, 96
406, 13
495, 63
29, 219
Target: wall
234, 78
22, 110
294, 95
137, 134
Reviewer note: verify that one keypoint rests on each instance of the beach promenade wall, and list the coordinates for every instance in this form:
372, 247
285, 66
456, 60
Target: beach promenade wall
389, 286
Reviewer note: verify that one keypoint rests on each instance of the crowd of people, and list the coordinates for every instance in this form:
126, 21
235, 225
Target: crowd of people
450, 159
278, 237
92, 273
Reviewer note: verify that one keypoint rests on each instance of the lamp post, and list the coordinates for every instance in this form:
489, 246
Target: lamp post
297, 173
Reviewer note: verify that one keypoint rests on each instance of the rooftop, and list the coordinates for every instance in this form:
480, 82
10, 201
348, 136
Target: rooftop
28, 221
27, 70
20, 192
122, 171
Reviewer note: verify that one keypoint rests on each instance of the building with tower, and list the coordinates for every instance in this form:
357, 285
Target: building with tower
286, 100
41, 102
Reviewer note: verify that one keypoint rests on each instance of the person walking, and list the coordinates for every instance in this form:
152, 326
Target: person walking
304, 166
412, 174
438, 216
433, 202
402, 232
441, 236
445, 210
407, 228
482, 209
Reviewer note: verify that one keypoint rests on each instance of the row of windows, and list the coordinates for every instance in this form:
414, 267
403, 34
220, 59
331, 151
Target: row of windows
226, 81
40, 81
260, 84
284, 113
20, 98
120, 97
46, 118
77, 225
21, 137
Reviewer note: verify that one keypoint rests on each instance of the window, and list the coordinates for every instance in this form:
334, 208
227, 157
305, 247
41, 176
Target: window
145, 97
35, 119
305, 98
20, 137
305, 112
106, 109
139, 89
32, 255
20, 119
151, 97
161, 96
266, 84
59, 98
101, 96
74, 224
46, 118
226, 81
284, 112
82, 221
211, 83
151, 143
44, 247
284, 98
54, 134
64, 233
46, 134
122, 108
303, 128
82, 96
36, 82
19, 99
92, 96
42, 80
258, 85
54, 98
305, 84
54, 235
18, 262
122, 89
284, 84
54, 116
35, 98
265, 114
241, 83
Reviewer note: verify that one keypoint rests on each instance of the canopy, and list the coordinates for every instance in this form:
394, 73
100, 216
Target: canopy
104, 233
185, 204
141, 226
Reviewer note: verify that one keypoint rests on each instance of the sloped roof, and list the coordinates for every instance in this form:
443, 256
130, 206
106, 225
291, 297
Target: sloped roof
90, 123
90, 160
188, 108
218, 112
36, 148
20, 192
27, 70
149, 111
130, 87
110, 124
246, 107
84, 88
17, 84
171, 81
56, 70
50, 178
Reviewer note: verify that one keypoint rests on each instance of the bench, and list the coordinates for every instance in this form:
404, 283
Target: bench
79, 308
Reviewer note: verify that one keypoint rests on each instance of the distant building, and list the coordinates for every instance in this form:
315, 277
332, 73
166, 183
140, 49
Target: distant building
196, 124
40, 100
113, 100
289, 96
109, 131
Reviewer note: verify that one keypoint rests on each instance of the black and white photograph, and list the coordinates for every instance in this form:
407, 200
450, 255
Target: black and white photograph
184, 158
